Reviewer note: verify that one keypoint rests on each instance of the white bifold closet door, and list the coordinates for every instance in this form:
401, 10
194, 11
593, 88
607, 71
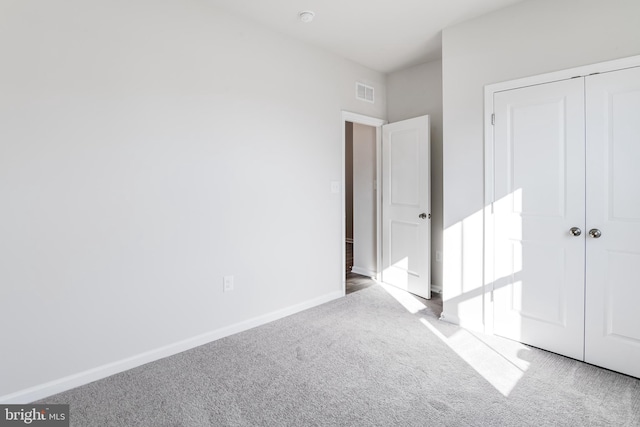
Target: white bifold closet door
567, 217
612, 327
540, 195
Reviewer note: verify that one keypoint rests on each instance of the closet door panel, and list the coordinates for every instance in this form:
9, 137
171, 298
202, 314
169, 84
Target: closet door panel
612, 322
539, 197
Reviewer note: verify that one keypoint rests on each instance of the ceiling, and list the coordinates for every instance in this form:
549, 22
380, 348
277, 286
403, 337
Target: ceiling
384, 35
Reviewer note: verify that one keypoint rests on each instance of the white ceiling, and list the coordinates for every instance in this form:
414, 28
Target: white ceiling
384, 35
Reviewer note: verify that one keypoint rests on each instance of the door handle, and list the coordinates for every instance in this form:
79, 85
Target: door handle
423, 216
595, 233
575, 231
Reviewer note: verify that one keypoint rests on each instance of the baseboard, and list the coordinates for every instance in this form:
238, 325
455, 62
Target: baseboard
363, 272
50, 388
436, 289
463, 323
449, 318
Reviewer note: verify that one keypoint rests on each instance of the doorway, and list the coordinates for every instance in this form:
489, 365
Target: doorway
361, 203
360, 199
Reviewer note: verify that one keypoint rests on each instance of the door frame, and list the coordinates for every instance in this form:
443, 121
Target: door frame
488, 218
348, 116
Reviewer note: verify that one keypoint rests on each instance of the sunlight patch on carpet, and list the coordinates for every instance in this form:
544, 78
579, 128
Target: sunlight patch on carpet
408, 301
501, 366
502, 369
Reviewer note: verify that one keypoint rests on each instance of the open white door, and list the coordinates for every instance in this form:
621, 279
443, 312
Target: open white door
406, 187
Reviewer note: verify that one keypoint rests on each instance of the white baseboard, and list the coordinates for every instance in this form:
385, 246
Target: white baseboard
437, 289
449, 318
50, 388
463, 323
363, 272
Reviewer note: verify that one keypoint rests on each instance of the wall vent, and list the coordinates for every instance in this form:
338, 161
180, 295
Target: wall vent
364, 92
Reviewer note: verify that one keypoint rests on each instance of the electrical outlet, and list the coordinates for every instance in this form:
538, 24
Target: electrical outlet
227, 283
438, 256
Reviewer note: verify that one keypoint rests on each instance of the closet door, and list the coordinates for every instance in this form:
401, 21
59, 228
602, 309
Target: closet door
612, 327
539, 197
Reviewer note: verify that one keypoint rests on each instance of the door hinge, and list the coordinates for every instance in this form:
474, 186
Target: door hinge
493, 119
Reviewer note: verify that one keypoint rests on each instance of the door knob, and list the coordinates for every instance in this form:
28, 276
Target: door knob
575, 231
422, 216
595, 233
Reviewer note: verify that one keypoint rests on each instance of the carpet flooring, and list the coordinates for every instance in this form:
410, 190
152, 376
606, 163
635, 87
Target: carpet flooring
372, 358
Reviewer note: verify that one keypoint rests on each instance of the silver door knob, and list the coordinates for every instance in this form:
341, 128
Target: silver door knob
595, 233
422, 216
575, 231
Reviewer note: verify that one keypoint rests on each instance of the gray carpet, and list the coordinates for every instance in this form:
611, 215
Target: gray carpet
362, 360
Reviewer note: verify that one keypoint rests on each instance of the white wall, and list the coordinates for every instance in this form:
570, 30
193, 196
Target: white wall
413, 92
147, 148
364, 200
529, 38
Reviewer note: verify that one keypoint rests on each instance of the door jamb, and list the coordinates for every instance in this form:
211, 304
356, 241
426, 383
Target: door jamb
348, 116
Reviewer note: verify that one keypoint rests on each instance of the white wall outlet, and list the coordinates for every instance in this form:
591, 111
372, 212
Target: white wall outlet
335, 187
227, 283
438, 256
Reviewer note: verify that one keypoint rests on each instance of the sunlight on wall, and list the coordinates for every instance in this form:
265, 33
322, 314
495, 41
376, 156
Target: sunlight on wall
478, 261
463, 277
